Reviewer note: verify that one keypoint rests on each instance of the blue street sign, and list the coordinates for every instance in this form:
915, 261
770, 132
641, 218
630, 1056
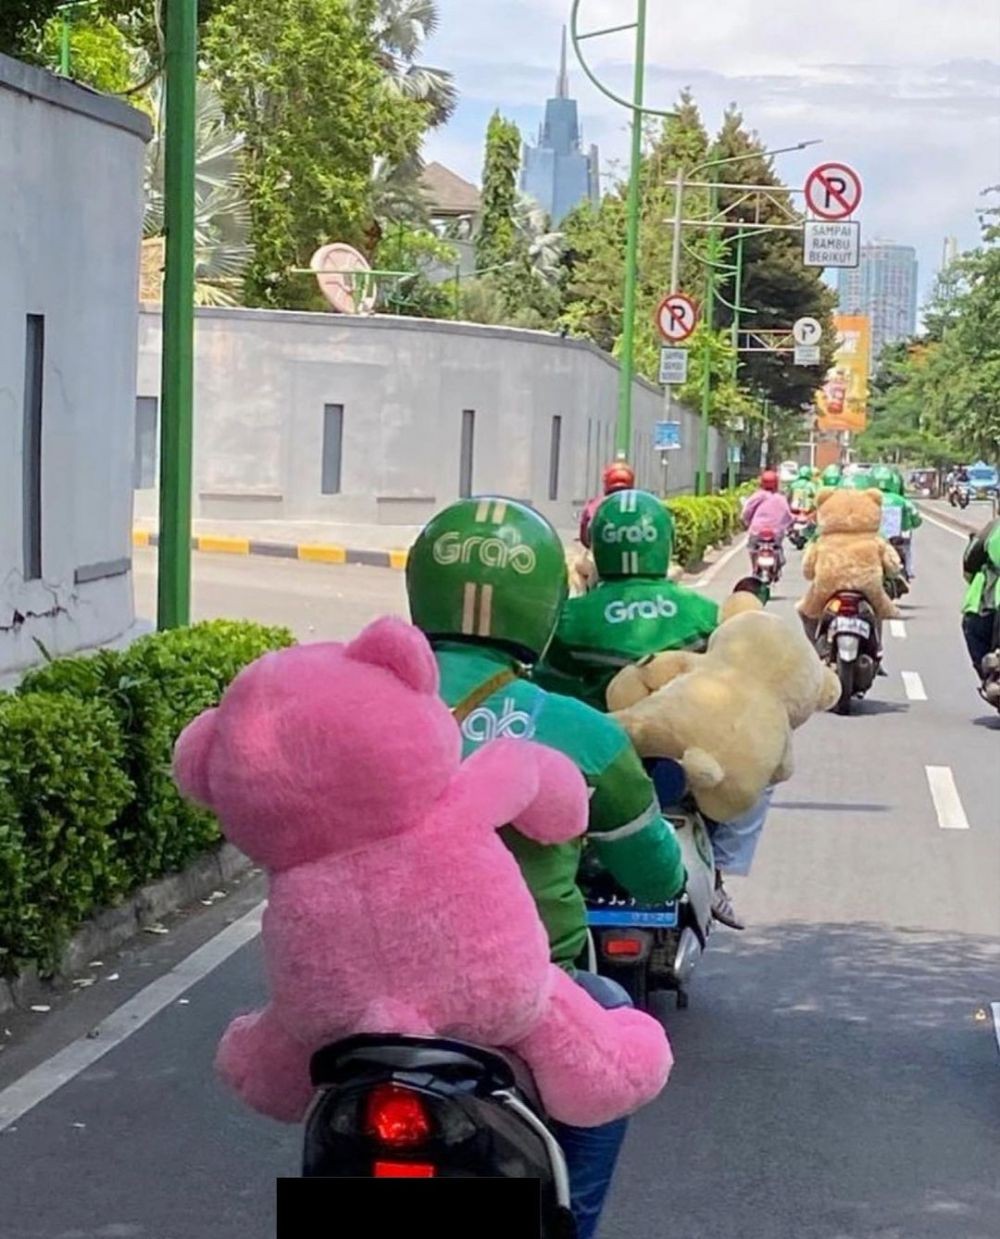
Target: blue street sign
667, 437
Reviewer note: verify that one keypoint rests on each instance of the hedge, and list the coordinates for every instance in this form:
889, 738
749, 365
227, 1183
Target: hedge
88, 809
703, 521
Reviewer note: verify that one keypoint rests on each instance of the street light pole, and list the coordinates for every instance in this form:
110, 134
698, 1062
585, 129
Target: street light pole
177, 375
623, 430
639, 110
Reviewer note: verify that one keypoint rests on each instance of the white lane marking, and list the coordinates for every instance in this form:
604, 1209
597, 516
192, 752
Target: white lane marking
708, 577
914, 686
947, 528
995, 1008
45, 1079
947, 802
898, 629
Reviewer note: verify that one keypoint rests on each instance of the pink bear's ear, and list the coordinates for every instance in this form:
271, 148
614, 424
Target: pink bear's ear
400, 648
191, 758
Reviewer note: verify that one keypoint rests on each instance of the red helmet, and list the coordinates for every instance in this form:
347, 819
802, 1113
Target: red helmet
769, 480
618, 476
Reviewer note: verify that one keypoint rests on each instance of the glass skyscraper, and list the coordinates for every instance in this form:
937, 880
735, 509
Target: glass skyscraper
884, 287
557, 172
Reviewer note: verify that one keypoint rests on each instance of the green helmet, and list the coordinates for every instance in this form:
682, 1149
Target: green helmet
805, 473
489, 569
832, 475
885, 479
631, 534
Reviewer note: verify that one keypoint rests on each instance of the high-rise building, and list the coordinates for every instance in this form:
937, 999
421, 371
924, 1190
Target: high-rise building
883, 287
557, 172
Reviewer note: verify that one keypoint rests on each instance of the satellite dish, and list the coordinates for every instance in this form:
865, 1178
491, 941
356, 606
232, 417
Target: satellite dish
344, 278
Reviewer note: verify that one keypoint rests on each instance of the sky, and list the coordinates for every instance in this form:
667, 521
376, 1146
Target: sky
905, 91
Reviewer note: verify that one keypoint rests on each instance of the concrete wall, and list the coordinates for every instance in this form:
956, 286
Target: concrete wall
70, 224
264, 377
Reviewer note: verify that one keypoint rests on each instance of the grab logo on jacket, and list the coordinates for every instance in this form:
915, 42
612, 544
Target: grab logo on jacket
646, 608
511, 723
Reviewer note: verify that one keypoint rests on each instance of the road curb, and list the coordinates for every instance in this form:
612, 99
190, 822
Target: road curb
307, 552
113, 927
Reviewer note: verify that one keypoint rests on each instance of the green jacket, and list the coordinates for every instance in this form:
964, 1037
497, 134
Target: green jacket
803, 495
981, 565
619, 622
629, 835
908, 520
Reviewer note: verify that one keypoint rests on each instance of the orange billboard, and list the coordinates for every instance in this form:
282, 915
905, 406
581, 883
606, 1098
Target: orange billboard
842, 403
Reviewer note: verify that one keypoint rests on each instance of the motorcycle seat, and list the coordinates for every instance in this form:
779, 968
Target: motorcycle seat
379, 1055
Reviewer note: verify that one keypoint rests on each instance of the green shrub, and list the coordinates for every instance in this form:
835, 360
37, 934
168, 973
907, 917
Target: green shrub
88, 807
155, 688
61, 770
701, 521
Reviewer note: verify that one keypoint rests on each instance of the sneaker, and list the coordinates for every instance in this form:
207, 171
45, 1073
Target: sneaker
722, 907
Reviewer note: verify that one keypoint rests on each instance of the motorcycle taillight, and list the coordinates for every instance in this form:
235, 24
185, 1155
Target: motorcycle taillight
398, 1118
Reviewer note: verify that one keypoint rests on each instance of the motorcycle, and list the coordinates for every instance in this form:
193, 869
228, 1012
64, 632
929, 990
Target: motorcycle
989, 689
803, 524
959, 494
898, 586
401, 1107
765, 559
647, 948
848, 639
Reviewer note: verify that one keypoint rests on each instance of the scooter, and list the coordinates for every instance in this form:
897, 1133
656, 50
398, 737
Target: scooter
803, 524
989, 690
399, 1107
765, 559
959, 494
848, 639
650, 949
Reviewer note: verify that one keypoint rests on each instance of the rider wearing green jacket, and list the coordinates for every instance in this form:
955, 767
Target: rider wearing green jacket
981, 565
633, 610
486, 581
900, 515
803, 493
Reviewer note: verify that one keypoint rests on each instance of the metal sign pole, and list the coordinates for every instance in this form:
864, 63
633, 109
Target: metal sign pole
177, 374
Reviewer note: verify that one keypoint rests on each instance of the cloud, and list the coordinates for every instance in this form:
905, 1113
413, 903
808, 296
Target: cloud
908, 91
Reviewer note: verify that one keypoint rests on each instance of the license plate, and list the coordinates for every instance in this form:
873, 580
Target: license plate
633, 918
847, 624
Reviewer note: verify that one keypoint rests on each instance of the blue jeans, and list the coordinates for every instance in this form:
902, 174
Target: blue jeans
734, 843
592, 1152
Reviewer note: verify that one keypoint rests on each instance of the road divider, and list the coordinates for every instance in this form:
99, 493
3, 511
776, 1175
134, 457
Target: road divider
913, 685
947, 802
307, 552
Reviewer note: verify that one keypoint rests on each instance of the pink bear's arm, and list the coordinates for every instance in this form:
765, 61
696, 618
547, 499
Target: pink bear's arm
265, 1067
515, 781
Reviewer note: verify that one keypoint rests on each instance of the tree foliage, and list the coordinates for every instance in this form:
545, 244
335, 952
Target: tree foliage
497, 234
300, 79
938, 399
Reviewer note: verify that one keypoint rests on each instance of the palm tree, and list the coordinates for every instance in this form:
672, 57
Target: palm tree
544, 247
222, 213
401, 27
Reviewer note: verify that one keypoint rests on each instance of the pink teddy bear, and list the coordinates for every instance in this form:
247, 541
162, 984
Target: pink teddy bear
393, 904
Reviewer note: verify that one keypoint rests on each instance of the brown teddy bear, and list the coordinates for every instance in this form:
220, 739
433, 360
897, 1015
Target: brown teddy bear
848, 552
727, 715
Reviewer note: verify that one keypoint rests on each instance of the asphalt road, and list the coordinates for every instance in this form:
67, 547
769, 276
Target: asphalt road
837, 1072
